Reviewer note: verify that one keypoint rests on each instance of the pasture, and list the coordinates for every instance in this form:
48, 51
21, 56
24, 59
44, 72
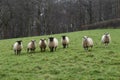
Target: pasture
72, 63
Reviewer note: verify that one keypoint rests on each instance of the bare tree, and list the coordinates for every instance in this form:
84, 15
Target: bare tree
20, 18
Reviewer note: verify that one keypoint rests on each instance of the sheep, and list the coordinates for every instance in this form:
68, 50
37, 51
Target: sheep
31, 46
87, 42
17, 47
52, 43
106, 39
42, 44
65, 41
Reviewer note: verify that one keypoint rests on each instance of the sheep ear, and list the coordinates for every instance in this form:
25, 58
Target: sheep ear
83, 37
51, 37
64, 36
19, 40
107, 33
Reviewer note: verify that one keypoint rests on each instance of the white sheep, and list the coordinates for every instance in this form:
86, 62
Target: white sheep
31, 46
42, 44
87, 42
106, 39
65, 41
52, 43
17, 47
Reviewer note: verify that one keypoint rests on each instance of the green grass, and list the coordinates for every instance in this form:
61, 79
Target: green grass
72, 63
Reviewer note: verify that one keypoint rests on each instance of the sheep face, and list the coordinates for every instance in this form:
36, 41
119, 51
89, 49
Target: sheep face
33, 42
85, 43
51, 39
19, 42
63, 37
106, 39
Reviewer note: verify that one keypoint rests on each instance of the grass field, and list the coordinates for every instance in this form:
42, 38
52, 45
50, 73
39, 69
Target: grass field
72, 63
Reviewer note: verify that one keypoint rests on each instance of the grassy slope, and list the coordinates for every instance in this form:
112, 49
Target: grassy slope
72, 63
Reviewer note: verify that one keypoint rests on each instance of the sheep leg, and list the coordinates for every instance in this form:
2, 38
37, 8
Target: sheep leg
31, 50
86, 48
64, 45
34, 50
15, 52
41, 49
27, 50
106, 44
51, 49
91, 47
67, 45
44, 49
19, 52
55, 48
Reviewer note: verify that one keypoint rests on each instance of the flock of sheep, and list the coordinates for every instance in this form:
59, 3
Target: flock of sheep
53, 43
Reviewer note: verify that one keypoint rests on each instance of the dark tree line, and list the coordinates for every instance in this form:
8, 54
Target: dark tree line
20, 18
